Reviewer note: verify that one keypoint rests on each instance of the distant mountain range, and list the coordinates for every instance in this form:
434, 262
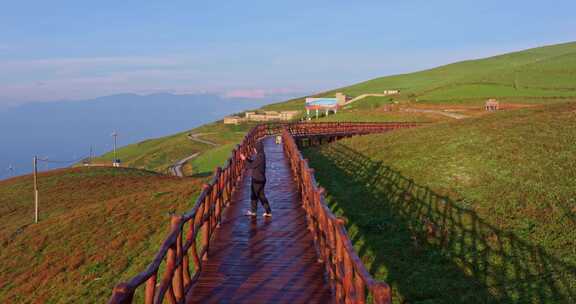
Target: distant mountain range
65, 130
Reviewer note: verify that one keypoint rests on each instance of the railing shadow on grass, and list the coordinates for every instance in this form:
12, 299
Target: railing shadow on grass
428, 247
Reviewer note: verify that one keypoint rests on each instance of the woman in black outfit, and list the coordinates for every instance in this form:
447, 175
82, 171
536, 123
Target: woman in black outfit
258, 165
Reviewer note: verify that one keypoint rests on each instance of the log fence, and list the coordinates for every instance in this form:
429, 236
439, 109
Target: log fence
348, 278
344, 128
203, 220
186, 248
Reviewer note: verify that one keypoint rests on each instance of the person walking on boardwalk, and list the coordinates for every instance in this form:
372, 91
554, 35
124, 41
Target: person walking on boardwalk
258, 165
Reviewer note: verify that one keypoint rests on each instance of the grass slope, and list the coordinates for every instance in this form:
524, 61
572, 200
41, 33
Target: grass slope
97, 226
472, 211
205, 163
160, 153
539, 75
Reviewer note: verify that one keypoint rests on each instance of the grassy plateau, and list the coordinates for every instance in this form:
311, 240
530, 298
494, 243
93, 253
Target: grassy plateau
160, 153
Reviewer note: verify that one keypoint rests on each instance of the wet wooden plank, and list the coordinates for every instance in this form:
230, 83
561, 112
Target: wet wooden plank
263, 260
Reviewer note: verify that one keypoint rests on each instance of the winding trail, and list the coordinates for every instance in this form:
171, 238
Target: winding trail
176, 169
366, 95
447, 114
196, 137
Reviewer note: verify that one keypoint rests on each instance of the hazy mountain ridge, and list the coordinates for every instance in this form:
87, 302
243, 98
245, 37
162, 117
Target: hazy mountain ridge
66, 129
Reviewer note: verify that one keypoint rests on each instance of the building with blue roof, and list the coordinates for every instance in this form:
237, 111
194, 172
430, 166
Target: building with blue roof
325, 104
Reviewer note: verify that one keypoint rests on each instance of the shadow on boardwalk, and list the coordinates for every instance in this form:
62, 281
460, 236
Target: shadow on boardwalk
428, 248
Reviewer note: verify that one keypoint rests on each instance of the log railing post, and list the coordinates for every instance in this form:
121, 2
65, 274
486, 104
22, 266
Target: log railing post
215, 197
381, 293
359, 288
178, 279
169, 276
186, 262
192, 237
150, 289
338, 257
205, 230
346, 263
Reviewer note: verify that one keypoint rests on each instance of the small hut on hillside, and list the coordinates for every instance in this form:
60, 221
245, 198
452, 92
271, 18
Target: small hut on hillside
232, 120
492, 105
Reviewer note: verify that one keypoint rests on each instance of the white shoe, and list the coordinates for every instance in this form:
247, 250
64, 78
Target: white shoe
267, 214
250, 213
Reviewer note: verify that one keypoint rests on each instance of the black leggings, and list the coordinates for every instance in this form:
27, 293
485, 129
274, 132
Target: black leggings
258, 194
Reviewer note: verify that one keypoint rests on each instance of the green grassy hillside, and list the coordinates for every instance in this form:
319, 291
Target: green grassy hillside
160, 153
97, 226
478, 210
535, 76
539, 75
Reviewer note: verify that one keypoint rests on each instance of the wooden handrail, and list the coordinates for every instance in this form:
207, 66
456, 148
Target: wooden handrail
349, 278
345, 128
334, 128
203, 219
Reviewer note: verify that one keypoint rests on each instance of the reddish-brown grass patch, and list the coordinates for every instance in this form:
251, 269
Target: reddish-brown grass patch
97, 226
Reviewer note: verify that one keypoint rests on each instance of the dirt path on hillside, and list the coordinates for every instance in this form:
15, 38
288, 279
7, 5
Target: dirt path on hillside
444, 113
176, 169
196, 137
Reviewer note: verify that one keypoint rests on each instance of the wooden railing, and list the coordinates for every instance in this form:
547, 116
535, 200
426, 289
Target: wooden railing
344, 128
348, 277
180, 246
349, 280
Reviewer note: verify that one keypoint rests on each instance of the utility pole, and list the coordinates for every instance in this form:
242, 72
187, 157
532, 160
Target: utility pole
115, 135
35, 163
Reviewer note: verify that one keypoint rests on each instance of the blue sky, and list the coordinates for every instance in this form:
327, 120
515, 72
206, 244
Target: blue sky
53, 50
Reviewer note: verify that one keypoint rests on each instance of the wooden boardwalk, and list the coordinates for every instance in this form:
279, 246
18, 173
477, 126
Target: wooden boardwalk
263, 260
